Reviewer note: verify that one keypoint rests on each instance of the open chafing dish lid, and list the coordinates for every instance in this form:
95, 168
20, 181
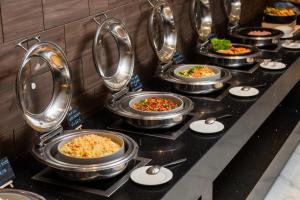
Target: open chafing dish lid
15, 194
201, 17
162, 14
118, 31
53, 57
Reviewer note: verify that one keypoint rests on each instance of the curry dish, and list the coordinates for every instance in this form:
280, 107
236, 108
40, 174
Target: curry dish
235, 50
197, 72
90, 146
155, 104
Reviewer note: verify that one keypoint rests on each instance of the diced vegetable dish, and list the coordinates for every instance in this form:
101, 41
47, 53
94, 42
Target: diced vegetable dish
155, 104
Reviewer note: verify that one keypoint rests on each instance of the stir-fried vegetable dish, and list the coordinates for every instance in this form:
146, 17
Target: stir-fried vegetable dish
155, 104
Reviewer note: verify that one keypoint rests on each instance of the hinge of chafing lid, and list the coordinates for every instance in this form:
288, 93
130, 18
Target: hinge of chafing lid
43, 139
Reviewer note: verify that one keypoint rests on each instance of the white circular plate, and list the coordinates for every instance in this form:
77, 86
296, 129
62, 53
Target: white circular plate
292, 45
237, 91
140, 176
201, 127
273, 65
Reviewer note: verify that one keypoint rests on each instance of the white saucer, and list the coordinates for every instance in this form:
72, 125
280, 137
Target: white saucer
292, 45
140, 176
237, 91
200, 127
273, 65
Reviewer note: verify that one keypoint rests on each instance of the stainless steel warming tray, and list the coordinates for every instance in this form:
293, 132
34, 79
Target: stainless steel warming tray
196, 87
47, 123
232, 61
149, 121
242, 35
166, 68
120, 99
233, 9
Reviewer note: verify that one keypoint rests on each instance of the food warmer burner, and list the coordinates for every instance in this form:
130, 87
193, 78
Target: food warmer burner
163, 14
119, 102
233, 9
47, 123
201, 17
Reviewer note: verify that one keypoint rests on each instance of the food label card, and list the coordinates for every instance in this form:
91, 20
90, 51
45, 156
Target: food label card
135, 83
74, 118
6, 172
178, 58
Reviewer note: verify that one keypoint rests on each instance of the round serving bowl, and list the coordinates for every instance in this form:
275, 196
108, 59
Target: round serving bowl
146, 120
242, 35
169, 97
232, 61
196, 87
76, 160
15, 194
279, 19
47, 154
217, 73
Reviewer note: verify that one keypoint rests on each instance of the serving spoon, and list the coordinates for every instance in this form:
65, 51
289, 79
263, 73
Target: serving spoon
247, 88
212, 120
155, 169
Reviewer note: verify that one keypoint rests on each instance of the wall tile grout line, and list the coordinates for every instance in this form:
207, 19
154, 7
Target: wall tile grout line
42, 3
2, 23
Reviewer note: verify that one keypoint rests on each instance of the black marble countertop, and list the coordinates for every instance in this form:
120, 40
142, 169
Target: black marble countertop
245, 168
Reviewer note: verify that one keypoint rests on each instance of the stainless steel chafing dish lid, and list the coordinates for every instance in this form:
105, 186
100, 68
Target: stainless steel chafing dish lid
123, 74
55, 112
233, 10
15, 194
162, 13
201, 17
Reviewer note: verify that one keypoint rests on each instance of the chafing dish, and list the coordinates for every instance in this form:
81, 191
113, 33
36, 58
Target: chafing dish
47, 123
166, 70
119, 101
201, 14
196, 87
15, 194
233, 9
232, 61
242, 35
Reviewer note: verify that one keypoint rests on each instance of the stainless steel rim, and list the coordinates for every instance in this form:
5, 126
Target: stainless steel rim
238, 35
123, 74
59, 105
46, 154
196, 87
232, 61
162, 11
121, 107
30, 195
201, 17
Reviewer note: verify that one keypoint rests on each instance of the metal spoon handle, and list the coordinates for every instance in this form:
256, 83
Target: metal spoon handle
175, 162
224, 116
260, 85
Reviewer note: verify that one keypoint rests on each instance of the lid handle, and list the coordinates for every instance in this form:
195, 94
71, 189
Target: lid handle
20, 44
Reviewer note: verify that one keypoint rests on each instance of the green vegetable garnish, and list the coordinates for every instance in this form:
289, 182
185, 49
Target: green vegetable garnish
220, 44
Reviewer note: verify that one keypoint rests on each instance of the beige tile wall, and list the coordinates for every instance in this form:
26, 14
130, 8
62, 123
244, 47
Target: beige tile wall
68, 23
